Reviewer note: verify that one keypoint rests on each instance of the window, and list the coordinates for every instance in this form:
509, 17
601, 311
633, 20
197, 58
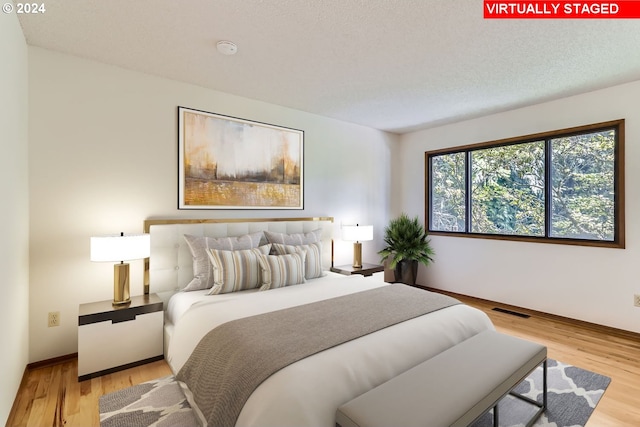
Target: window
563, 186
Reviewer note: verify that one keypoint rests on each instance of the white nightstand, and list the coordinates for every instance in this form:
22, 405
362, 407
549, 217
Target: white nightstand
114, 338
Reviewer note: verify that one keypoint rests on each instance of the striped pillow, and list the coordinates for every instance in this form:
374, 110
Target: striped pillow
313, 262
281, 270
236, 270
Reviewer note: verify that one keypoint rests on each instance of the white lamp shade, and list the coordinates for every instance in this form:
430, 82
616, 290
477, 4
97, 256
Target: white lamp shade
357, 233
120, 248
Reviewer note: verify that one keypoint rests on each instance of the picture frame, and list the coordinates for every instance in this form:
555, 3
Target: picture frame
227, 162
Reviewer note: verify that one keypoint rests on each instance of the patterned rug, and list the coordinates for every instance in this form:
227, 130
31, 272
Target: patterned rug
159, 403
573, 394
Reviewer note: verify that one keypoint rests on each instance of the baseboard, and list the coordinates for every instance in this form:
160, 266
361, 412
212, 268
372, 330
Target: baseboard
609, 330
53, 361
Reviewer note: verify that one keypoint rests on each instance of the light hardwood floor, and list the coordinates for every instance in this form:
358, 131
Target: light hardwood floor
52, 396
616, 355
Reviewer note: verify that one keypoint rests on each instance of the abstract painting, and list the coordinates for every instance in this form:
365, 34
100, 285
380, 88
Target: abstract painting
231, 163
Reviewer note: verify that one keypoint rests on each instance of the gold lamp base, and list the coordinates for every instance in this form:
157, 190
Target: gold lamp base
357, 255
121, 285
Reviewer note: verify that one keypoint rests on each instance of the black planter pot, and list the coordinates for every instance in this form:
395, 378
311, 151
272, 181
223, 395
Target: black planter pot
407, 272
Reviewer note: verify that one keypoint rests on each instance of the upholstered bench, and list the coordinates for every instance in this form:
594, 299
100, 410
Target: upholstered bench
454, 388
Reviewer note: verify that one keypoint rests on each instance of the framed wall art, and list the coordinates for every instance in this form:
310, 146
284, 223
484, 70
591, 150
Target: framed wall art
231, 163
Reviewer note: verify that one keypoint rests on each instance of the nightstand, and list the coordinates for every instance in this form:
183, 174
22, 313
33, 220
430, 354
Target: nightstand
115, 338
366, 270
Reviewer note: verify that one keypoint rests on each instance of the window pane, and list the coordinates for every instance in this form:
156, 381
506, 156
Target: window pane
507, 190
448, 177
582, 171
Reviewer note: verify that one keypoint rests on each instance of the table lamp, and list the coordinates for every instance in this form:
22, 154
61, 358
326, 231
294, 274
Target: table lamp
357, 233
121, 248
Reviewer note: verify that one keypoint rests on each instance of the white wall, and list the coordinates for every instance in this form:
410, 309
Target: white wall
103, 157
592, 284
14, 215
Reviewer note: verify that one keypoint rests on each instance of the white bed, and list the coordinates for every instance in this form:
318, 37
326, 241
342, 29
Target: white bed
308, 392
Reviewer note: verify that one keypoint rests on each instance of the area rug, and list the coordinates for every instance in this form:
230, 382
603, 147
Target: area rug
572, 395
160, 403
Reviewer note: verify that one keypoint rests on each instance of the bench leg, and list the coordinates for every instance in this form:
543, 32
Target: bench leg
542, 406
544, 384
496, 417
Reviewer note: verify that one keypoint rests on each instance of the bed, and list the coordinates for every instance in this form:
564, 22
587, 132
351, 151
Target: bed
308, 391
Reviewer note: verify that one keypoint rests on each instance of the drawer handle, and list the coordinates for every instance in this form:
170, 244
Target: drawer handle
124, 318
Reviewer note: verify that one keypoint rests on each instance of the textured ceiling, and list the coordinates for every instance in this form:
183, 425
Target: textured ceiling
395, 65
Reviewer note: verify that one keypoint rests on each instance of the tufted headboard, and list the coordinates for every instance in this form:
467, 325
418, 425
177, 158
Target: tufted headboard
170, 265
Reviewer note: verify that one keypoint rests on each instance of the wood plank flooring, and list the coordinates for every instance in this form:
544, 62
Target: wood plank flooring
616, 355
52, 396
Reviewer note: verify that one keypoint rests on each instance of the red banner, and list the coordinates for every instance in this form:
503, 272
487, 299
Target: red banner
627, 9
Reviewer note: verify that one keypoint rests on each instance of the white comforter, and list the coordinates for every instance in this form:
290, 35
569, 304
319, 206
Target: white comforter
308, 392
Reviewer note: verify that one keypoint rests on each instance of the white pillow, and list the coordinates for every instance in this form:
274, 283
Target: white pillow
295, 238
200, 246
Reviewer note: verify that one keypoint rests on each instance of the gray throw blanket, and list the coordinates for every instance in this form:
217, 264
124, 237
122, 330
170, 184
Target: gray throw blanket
232, 360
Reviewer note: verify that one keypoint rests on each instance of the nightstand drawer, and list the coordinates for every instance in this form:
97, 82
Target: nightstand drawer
110, 339
106, 345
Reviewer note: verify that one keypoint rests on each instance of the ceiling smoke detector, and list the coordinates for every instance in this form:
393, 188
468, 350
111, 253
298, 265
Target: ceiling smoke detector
226, 47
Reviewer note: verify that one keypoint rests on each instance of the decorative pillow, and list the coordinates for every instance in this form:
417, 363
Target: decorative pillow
200, 246
236, 270
294, 239
313, 262
281, 270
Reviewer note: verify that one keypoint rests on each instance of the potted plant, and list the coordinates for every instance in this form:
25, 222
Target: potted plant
407, 245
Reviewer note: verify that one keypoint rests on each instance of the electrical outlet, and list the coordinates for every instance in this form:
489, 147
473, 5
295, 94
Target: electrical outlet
54, 318
636, 300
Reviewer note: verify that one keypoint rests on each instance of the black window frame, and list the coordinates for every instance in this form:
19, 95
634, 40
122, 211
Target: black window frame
619, 197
